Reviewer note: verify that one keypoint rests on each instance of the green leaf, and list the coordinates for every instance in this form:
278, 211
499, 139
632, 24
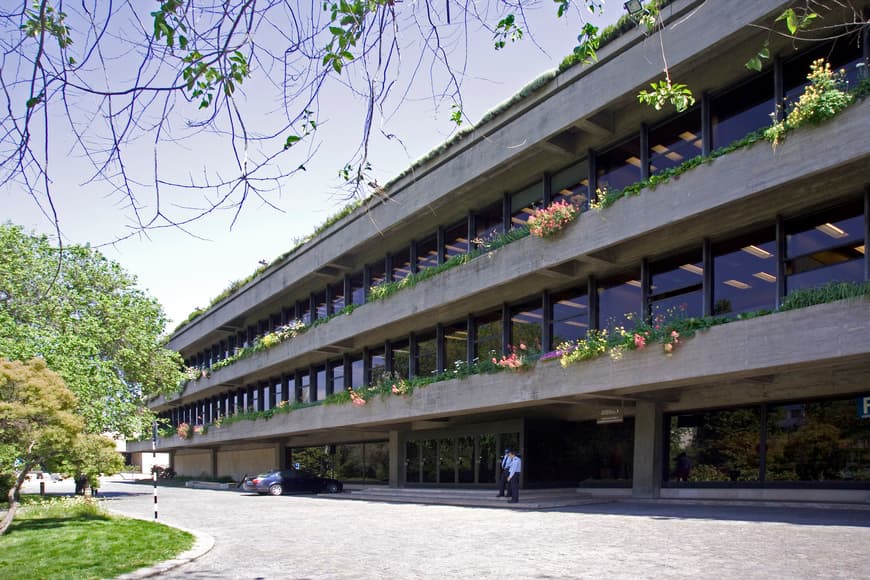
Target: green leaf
291, 140
754, 63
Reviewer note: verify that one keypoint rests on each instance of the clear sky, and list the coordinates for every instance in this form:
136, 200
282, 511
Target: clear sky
186, 269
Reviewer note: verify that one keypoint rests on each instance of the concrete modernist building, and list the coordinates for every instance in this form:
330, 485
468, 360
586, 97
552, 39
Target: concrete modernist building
762, 407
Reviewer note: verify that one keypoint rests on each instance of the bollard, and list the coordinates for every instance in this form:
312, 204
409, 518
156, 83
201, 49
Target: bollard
41, 488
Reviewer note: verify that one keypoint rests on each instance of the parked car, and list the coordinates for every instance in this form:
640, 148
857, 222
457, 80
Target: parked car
282, 481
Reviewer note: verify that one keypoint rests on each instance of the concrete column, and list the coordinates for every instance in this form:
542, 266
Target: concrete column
280, 454
214, 462
647, 450
396, 449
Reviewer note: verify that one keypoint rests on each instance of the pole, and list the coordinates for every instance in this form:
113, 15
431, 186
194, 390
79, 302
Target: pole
154, 463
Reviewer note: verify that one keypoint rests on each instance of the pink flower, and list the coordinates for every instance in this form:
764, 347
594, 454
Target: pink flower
522, 346
639, 341
676, 336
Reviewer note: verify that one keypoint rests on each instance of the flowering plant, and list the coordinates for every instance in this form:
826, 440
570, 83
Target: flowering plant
400, 387
547, 221
356, 398
518, 360
183, 430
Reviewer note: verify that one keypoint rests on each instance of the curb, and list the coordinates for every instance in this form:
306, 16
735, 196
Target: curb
202, 545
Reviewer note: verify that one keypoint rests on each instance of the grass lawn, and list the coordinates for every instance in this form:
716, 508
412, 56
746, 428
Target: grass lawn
74, 538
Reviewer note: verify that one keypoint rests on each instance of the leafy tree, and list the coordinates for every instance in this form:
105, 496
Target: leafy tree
84, 316
91, 456
37, 421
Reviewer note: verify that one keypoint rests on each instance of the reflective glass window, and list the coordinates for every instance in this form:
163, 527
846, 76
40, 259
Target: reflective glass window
336, 375
356, 372
412, 462
488, 223
357, 289
817, 441
524, 203
455, 345
572, 185
427, 346
677, 288
824, 248
619, 167
843, 55
320, 382
336, 296
527, 322
742, 109
456, 240
675, 141
489, 335
570, 318
320, 304
427, 253
377, 273
401, 350
401, 264
429, 460
303, 311
619, 302
718, 445
377, 365
744, 274
447, 461
303, 386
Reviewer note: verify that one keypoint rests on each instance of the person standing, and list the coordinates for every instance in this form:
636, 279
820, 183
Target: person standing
503, 474
515, 467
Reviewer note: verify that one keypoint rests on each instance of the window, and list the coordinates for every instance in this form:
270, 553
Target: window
619, 302
427, 253
377, 273
336, 375
675, 141
488, 329
572, 185
524, 203
356, 372
676, 289
320, 305
357, 289
303, 387
824, 248
377, 365
744, 274
401, 264
570, 317
527, 324
426, 354
742, 109
488, 223
319, 377
401, 364
619, 167
455, 345
456, 240
336, 297
303, 311
844, 54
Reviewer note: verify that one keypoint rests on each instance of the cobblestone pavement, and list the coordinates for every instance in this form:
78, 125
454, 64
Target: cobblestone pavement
296, 537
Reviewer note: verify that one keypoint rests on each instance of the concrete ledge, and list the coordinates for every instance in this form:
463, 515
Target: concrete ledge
209, 485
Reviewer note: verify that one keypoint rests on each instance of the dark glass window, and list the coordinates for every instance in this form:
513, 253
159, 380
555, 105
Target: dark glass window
456, 240
336, 296
488, 223
527, 324
817, 441
427, 253
720, 445
619, 167
412, 462
303, 386
401, 264
401, 350
488, 329
824, 248
744, 273
320, 304
455, 345
426, 354
743, 109
844, 54
278, 390
356, 372
675, 141
336, 372
377, 365
320, 383
677, 288
447, 461
429, 460
357, 289
572, 185
570, 318
619, 302
377, 273
303, 311
524, 203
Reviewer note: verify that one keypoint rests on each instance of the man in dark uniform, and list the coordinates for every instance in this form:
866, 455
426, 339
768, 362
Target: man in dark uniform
503, 473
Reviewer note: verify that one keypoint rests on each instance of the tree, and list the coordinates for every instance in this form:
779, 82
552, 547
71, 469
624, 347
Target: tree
91, 456
83, 315
37, 421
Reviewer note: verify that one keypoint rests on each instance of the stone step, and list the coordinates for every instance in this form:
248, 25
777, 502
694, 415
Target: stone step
529, 499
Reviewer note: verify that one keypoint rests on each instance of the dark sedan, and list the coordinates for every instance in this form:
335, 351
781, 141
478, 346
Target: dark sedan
290, 481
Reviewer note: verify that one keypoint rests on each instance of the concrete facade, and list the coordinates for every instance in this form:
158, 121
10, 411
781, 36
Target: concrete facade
817, 353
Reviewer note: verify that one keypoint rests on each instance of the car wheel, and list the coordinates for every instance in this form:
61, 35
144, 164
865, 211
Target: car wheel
276, 489
332, 487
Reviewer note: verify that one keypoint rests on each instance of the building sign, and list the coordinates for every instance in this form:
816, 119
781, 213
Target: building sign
609, 415
864, 407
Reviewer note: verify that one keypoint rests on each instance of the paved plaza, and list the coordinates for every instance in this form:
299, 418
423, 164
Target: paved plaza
296, 537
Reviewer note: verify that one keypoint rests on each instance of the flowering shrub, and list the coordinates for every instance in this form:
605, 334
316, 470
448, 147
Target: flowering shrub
823, 98
356, 398
183, 430
400, 387
552, 219
518, 360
